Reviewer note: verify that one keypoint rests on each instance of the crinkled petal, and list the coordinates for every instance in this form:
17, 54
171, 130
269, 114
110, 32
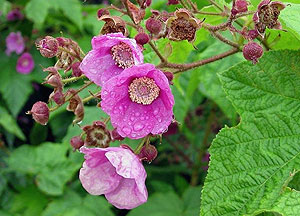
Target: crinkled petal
278, 4
98, 68
128, 195
97, 175
263, 3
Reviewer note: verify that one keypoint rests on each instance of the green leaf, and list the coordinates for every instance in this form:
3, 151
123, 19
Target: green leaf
250, 163
29, 202
37, 10
15, 87
48, 162
71, 9
72, 204
290, 17
10, 124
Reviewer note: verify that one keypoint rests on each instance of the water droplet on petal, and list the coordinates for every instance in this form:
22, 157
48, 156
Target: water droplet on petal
159, 120
105, 93
112, 94
156, 110
132, 118
138, 126
137, 114
142, 118
126, 130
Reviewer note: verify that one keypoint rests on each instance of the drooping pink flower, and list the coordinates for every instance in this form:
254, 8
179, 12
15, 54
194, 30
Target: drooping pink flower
25, 63
14, 15
139, 101
14, 43
110, 55
115, 172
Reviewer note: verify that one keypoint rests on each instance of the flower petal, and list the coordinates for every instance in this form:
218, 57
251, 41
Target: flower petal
97, 175
128, 194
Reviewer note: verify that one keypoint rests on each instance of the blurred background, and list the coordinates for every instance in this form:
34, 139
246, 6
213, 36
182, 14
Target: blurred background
39, 169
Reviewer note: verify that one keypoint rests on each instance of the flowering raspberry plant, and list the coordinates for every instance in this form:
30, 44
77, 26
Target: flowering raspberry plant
134, 97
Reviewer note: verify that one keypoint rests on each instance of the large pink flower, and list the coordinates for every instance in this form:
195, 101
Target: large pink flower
139, 101
110, 55
25, 63
14, 43
115, 172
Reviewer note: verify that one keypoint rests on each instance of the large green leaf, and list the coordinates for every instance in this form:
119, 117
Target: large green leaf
170, 204
37, 10
10, 124
290, 17
251, 163
48, 162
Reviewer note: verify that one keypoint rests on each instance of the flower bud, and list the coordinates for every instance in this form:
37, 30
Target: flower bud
57, 96
142, 38
40, 112
240, 6
75, 105
148, 153
48, 47
173, 2
76, 72
252, 52
97, 135
115, 135
76, 142
153, 25
252, 34
102, 12
169, 76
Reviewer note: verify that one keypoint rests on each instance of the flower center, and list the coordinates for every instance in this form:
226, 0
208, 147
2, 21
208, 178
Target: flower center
269, 15
143, 90
25, 63
183, 29
122, 54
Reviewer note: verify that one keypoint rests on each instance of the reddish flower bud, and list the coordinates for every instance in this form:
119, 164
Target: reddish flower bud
40, 112
97, 135
148, 153
57, 96
76, 142
169, 76
75, 105
102, 12
153, 25
142, 38
115, 135
252, 34
48, 47
76, 72
173, 2
252, 52
240, 6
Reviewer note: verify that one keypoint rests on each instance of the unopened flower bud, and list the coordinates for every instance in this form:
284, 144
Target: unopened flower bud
102, 12
57, 96
76, 72
153, 25
142, 38
48, 47
252, 34
115, 135
252, 52
240, 7
173, 2
76, 142
40, 112
169, 76
148, 153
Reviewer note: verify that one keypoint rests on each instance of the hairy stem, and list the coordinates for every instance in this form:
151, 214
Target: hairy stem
162, 59
72, 79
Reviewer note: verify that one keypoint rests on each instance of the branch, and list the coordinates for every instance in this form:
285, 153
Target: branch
162, 59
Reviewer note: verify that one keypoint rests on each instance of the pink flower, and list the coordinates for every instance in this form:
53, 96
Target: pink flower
115, 172
110, 55
14, 43
14, 15
25, 63
139, 101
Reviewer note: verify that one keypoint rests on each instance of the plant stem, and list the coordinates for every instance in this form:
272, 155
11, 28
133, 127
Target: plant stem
71, 53
141, 144
72, 79
225, 40
162, 59
185, 67
69, 98
215, 4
